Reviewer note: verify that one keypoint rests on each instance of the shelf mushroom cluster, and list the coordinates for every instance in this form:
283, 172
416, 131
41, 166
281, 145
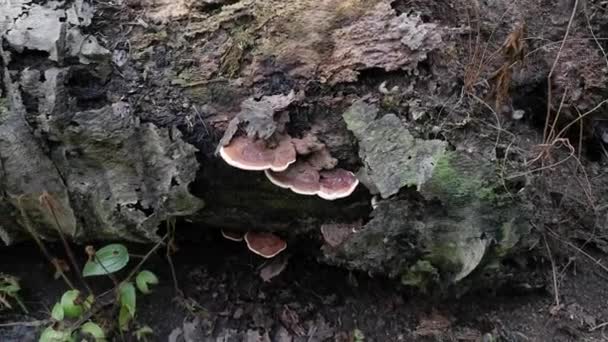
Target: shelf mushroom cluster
266, 245
303, 165
314, 173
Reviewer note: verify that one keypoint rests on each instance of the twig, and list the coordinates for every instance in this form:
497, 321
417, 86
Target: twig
550, 76
559, 111
553, 269
26, 324
97, 306
45, 200
107, 272
581, 117
593, 35
146, 257
498, 124
598, 262
47, 254
599, 326
171, 231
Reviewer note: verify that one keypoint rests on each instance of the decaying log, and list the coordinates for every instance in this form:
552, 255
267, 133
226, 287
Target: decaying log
117, 111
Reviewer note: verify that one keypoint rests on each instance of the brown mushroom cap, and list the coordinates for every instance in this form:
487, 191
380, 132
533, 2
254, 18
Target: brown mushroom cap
337, 183
284, 154
300, 178
232, 235
304, 179
266, 245
255, 155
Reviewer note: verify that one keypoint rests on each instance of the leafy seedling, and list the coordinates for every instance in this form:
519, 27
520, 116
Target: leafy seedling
51, 335
143, 333
9, 287
72, 304
127, 297
109, 259
94, 330
358, 336
58, 313
145, 278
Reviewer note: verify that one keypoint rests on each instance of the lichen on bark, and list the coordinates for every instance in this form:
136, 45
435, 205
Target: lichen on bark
108, 175
442, 217
393, 158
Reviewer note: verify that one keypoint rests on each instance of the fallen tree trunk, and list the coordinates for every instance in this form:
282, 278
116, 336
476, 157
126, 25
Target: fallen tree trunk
118, 117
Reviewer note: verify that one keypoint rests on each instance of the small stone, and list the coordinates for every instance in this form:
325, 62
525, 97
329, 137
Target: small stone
518, 114
238, 313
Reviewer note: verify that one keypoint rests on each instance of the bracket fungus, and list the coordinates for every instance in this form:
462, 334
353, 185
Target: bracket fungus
303, 178
337, 183
300, 178
263, 244
277, 156
256, 155
232, 235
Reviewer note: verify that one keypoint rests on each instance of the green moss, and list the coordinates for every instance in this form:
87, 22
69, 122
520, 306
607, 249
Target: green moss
231, 60
446, 256
421, 275
458, 185
3, 105
221, 94
183, 202
507, 237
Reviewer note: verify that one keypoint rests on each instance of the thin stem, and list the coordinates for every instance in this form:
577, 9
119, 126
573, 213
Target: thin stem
108, 273
553, 268
44, 198
146, 257
170, 244
41, 246
550, 76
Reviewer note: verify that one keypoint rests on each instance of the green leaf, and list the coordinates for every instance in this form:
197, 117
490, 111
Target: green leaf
57, 313
142, 332
93, 330
88, 302
124, 317
358, 335
145, 278
51, 335
9, 285
69, 302
127, 297
109, 259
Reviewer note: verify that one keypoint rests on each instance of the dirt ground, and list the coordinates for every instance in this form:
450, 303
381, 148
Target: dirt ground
224, 299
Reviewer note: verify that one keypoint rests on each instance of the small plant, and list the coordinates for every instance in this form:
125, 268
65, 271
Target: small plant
9, 289
358, 336
142, 333
72, 315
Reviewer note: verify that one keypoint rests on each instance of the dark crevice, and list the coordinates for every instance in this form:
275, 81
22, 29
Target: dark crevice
30, 102
88, 90
217, 6
429, 11
32, 59
138, 206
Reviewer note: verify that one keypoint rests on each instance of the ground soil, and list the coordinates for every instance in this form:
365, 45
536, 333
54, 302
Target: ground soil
224, 299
